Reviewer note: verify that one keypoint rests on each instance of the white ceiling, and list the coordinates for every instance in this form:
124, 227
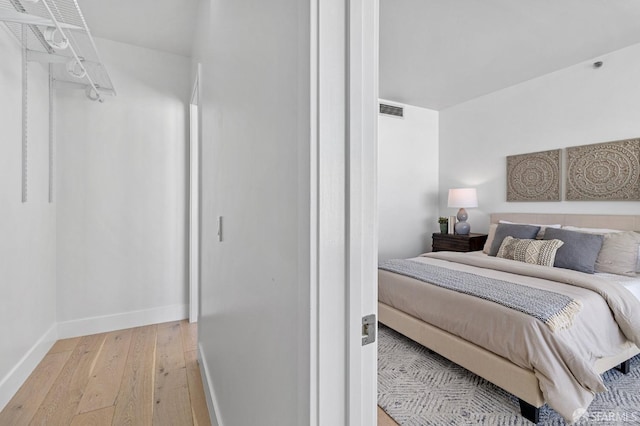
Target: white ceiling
438, 53
166, 25
433, 53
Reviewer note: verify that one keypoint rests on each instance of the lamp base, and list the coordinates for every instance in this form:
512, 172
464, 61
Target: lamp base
462, 227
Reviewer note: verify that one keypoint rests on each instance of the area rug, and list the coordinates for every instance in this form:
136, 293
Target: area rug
417, 387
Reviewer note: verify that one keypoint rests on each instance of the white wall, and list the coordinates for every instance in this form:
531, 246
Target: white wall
27, 231
407, 182
579, 105
121, 195
254, 324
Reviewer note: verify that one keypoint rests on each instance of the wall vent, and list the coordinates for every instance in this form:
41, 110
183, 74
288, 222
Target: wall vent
395, 111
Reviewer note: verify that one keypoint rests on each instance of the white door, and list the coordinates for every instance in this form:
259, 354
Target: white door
363, 218
194, 202
344, 161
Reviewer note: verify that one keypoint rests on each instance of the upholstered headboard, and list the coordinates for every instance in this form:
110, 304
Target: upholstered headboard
622, 222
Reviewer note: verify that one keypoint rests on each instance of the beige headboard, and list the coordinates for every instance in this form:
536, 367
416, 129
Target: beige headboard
623, 222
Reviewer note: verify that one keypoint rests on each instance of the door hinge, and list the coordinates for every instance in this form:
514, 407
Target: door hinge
368, 329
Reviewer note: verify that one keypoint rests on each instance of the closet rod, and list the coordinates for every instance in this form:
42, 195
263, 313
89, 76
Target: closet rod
73, 51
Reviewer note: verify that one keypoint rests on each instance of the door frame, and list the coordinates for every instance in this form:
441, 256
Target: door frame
194, 199
362, 207
344, 222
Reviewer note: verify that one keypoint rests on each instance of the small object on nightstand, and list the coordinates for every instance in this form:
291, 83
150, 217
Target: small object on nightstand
444, 223
455, 242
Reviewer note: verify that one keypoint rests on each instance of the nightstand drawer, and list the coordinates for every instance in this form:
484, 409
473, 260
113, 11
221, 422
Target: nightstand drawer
454, 242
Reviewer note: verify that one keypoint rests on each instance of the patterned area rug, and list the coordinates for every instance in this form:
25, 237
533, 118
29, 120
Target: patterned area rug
417, 387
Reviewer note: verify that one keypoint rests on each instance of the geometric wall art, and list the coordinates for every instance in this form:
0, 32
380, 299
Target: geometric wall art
607, 171
534, 176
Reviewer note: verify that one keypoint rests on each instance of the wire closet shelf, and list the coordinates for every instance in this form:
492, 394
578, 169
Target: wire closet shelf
58, 35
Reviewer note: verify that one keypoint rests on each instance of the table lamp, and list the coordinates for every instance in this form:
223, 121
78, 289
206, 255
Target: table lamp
462, 197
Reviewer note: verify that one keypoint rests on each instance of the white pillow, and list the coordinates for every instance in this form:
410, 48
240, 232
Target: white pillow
591, 230
619, 253
491, 235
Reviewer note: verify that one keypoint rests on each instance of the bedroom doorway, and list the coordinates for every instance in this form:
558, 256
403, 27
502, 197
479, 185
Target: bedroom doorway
194, 201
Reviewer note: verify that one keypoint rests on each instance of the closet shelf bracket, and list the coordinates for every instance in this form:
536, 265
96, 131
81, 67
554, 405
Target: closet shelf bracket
59, 36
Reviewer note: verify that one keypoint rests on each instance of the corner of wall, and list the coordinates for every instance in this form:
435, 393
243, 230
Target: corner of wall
212, 403
10, 384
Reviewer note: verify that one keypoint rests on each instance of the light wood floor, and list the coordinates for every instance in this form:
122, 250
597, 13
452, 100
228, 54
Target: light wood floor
140, 376
384, 419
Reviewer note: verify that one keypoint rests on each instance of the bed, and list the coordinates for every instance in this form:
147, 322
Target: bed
552, 362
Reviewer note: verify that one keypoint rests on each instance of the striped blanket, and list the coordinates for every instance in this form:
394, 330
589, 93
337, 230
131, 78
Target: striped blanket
554, 309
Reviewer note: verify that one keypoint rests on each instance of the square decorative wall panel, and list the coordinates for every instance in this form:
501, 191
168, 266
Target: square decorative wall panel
534, 176
607, 171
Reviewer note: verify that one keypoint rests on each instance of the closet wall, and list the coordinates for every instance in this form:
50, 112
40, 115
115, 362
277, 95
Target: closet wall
27, 230
122, 195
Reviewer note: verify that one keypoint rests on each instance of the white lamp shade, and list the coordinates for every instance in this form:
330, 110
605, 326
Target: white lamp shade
463, 197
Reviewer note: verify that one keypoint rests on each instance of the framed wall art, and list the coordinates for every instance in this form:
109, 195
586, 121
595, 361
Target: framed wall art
607, 171
534, 176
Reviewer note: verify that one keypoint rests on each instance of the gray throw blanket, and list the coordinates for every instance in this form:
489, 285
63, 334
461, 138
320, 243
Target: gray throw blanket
554, 309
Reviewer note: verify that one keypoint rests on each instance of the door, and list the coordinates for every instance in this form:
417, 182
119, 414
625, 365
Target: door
344, 230
194, 201
362, 207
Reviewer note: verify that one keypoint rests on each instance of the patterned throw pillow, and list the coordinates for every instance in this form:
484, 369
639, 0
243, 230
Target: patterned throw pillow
537, 252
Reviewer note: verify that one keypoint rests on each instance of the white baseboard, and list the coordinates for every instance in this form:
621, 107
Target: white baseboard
19, 373
212, 402
105, 323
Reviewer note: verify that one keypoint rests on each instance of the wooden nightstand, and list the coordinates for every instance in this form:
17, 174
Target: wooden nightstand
455, 242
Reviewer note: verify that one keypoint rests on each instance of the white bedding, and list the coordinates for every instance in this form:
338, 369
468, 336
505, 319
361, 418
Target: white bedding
631, 283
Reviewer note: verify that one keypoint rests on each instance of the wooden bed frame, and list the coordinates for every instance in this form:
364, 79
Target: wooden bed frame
516, 380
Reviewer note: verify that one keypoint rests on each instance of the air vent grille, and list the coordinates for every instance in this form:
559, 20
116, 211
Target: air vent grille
395, 111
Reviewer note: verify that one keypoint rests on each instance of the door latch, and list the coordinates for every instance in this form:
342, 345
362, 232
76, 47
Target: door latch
368, 329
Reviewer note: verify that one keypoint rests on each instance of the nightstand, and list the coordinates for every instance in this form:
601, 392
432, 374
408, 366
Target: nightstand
455, 242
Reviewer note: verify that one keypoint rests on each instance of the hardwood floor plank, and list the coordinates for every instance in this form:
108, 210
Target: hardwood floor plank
171, 404
104, 384
64, 345
384, 419
134, 404
171, 401
199, 408
143, 376
61, 402
168, 324
169, 352
25, 403
189, 336
101, 417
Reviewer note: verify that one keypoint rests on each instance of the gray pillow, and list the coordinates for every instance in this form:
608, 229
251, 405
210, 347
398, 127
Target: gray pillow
523, 232
579, 252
